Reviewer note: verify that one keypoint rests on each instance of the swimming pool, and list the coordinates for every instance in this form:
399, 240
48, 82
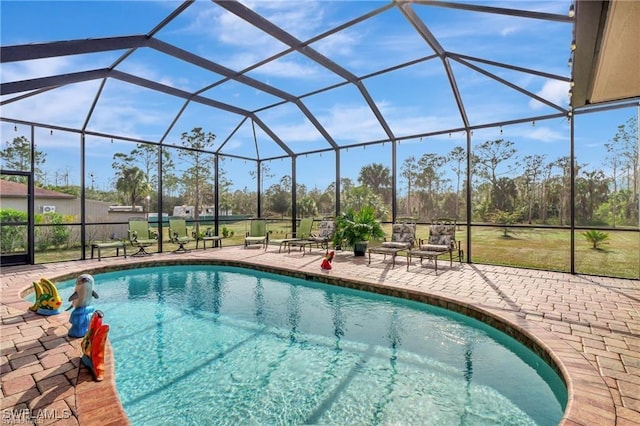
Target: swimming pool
225, 345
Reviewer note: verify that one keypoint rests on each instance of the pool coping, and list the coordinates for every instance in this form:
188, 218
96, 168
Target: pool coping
589, 398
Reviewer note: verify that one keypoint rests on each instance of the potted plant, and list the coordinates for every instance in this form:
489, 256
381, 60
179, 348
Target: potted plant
355, 229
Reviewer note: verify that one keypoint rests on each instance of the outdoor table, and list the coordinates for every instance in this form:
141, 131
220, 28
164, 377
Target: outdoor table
429, 254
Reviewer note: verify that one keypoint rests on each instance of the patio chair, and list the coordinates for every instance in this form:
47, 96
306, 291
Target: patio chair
403, 237
441, 240
178, 234
325, 233
257, 233
141, 235
303, 232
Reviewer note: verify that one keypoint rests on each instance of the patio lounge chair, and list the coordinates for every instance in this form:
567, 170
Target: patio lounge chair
442, 240
325, 233
303, 232
141, 236
403, 237
178, 234
257, 233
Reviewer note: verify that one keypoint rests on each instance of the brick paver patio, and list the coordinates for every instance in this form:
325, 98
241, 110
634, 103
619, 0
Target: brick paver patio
590, 327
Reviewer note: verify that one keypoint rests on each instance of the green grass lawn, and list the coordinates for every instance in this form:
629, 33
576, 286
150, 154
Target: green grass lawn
536, 248
550, 250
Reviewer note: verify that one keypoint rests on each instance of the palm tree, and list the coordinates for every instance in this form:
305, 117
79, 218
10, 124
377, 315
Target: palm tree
307, 207
377, 177
595, 237
133, 183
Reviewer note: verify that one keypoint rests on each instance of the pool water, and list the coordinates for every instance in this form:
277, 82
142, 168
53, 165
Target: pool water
201, 345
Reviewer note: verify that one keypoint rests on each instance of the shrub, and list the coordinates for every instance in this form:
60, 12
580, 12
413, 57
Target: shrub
595, 237
355, 226
505, 218
12, 236
56, 235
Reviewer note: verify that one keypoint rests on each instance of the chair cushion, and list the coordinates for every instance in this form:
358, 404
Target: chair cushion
443, 235
393, 244
325, 229
403, 233
434, 247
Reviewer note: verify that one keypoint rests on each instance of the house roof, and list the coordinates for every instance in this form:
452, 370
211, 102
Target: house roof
9, 189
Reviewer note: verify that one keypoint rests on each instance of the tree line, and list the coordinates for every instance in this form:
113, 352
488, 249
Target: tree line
506, 187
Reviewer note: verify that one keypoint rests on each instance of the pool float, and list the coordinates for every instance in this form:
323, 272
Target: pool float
80, 300
326, 262
48, 301
93, 345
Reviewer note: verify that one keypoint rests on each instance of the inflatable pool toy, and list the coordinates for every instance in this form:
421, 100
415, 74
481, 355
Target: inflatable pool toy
93, 345
80, 300
48, 301
326, 262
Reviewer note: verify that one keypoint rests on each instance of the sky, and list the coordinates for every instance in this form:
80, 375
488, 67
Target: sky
413, 100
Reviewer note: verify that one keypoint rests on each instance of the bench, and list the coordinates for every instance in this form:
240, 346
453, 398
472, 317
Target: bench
111, 244
215, 241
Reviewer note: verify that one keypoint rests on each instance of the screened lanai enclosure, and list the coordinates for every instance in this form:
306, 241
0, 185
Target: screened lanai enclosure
518, 120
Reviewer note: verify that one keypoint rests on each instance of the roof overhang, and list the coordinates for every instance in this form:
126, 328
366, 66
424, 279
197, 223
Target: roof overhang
606, 64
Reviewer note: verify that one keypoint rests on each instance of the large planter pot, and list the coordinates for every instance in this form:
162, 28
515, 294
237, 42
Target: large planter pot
360, 248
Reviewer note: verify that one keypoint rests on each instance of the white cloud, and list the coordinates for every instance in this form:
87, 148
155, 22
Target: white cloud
338, 44
225, 38
284, 68
234, 31
65, 106
411, 121
240, 44
546, 135
554, 91
508, 30
343, 122
352, 123
293, 133
38, 68
234, 144
17, 71
302, 19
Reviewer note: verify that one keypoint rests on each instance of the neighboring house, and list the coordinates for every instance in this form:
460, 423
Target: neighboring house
13, 195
